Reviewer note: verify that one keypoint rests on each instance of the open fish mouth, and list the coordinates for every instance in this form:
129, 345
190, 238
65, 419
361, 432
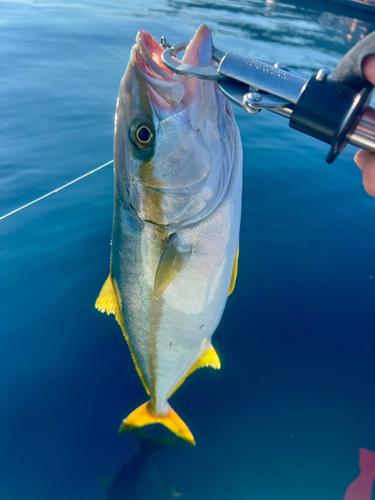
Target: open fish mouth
149, 57
167, 89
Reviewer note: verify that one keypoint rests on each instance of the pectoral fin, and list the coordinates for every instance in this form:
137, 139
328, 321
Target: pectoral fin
173, 260
234, 271
108, 302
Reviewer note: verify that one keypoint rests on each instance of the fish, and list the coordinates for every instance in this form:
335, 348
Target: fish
176, 222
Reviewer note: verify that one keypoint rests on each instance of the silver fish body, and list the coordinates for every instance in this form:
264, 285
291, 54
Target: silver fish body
178, 184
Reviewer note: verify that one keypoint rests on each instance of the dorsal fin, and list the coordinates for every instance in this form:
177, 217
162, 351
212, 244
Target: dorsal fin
234, 271
208, 358
172, 261
108, 302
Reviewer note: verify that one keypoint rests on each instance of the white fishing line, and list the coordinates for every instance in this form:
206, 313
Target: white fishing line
56, 190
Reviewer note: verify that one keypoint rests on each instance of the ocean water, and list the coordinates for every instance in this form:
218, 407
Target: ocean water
294, 401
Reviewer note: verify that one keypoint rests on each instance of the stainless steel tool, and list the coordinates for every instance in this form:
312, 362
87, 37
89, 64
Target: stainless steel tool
334, 110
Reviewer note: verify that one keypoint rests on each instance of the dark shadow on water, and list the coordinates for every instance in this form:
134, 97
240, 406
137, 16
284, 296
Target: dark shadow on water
142, 477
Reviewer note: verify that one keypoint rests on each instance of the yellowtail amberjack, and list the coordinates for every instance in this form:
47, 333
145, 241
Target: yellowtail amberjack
178, 184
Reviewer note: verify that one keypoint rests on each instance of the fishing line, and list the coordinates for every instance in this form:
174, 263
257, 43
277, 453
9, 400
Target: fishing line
57, 190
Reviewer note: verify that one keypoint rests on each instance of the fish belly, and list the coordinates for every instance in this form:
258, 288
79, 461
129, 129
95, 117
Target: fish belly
170, 333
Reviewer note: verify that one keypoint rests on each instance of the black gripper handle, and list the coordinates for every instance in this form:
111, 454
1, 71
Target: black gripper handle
331, 109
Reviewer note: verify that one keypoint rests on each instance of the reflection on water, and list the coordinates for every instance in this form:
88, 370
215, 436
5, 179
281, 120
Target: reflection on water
284, 18
294, 401
353, 30
323, 26
142, 478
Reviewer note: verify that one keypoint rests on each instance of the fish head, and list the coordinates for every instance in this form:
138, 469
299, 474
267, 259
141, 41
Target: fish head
170, 135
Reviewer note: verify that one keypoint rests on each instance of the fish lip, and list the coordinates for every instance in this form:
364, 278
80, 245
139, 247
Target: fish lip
166, 89
151, 52
148, 56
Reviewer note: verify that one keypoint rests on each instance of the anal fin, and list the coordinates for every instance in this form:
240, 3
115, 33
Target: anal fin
208, 358
234, 271
108, 302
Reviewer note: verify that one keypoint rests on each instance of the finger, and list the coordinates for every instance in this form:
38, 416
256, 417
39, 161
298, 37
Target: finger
364, 159
366, 162
368, 68
358, 158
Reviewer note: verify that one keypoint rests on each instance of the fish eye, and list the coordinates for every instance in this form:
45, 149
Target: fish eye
142, 136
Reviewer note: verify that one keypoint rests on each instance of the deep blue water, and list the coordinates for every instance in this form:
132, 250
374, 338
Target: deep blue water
294, 401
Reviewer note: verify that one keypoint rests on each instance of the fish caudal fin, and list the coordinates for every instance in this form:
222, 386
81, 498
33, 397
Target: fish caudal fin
143, 416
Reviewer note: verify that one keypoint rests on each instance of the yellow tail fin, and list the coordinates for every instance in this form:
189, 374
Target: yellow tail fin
143, 416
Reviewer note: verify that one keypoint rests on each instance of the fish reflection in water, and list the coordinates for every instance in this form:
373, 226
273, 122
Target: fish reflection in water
142, 478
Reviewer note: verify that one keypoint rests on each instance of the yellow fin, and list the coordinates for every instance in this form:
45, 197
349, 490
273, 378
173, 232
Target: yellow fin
208, 358
174, 258
234, 271
108, 302
143, 416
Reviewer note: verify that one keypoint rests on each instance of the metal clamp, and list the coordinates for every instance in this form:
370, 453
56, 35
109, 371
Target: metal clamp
209, 73
259, 101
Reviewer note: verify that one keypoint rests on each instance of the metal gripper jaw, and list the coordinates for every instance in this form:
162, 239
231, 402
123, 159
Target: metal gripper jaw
334, 110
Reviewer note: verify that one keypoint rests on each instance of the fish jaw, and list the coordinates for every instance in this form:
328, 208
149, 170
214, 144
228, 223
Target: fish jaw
182, 90
199, 50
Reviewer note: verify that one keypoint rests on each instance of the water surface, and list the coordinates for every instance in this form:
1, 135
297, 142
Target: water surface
294, 401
